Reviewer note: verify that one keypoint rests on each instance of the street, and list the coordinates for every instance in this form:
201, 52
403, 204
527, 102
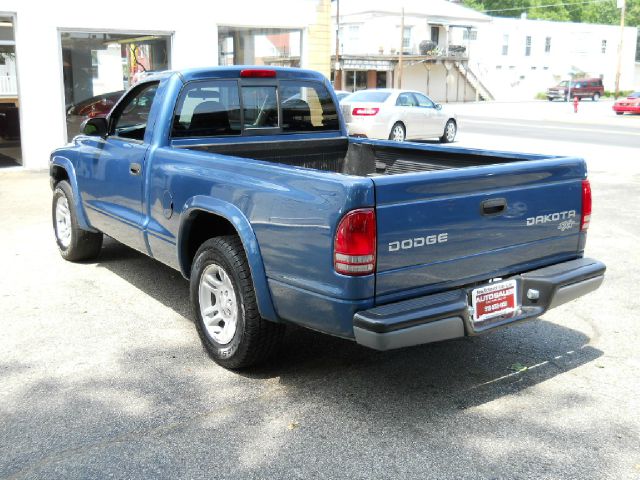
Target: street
622, 136
595, 122
102, 374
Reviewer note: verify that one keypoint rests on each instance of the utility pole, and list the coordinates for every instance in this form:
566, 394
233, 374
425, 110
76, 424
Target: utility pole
337, 77
401, 49
622, 7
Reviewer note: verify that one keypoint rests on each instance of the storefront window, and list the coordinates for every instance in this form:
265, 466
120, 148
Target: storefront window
355, 80
99, 67
10, 151
259, 46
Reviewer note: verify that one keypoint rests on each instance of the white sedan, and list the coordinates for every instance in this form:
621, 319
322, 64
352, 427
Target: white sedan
397, 115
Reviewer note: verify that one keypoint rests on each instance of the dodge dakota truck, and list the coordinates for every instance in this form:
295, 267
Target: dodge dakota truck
244, 179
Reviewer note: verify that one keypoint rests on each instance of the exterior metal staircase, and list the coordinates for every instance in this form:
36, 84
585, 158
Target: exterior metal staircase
472, 79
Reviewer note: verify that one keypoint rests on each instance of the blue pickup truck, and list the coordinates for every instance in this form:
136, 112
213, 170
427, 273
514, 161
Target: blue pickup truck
244, 179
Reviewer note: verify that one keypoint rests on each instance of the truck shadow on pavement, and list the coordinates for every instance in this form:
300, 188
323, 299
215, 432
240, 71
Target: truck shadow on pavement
156, 279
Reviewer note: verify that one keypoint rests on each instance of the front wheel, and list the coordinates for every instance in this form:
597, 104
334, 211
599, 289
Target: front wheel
596, 97
398, 132
225, 308
619, 113
450, 131
74, 243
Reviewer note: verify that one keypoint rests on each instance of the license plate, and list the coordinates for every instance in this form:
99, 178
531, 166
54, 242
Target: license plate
494, 300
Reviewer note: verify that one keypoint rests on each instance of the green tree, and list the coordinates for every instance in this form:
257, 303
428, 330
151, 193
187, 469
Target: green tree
596, 11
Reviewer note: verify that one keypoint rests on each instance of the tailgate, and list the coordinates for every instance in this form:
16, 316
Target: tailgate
443, 228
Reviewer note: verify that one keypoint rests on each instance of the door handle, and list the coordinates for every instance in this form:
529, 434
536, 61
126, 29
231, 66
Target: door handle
135, 169
493, 206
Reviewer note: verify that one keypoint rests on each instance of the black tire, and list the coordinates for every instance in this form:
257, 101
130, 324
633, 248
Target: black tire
596, 97
398, 132
566, 97
82, 244
254, 339
450, 131
619, 113
550, 99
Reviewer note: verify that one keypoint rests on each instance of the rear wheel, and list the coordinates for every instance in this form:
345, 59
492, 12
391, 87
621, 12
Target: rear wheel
224, 304
550, 99
450, 130
596, 97
398, 132
74, 243
619, 113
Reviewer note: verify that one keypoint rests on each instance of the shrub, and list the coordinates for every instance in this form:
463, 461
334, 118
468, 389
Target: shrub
622, 93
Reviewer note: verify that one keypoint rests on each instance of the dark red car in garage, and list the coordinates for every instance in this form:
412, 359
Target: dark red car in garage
98, 106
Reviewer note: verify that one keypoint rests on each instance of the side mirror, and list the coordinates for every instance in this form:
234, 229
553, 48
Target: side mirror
438, 106
95, 127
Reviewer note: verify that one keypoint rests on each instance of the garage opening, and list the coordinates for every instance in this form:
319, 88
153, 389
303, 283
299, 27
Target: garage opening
10, 150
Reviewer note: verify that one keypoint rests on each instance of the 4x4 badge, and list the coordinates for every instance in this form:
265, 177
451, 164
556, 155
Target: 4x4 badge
567, 225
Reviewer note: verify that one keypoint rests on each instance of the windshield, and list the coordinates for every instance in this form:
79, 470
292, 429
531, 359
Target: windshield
369, 96
634, 95
564, 83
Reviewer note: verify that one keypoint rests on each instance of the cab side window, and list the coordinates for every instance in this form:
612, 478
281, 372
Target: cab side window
130, 119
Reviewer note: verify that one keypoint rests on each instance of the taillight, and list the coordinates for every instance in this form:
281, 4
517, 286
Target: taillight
354, 251
586, 205
365, 112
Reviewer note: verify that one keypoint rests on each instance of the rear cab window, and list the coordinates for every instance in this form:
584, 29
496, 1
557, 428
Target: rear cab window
307, 107
231, 108
208, 109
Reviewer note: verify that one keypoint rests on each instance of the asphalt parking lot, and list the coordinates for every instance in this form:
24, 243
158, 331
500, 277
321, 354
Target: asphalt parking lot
102, 374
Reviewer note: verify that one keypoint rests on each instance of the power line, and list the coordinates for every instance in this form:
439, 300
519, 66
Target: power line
543, 6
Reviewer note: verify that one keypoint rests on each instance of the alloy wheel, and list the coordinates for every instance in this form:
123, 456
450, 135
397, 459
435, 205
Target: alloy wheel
218, 304
63, 222
397, 134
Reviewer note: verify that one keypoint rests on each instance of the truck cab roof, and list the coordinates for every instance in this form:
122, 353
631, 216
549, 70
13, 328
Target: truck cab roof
235, 72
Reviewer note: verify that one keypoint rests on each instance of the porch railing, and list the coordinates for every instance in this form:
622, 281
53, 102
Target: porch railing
8, 86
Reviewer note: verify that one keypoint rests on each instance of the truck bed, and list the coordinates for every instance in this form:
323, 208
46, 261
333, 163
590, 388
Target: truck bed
360, 157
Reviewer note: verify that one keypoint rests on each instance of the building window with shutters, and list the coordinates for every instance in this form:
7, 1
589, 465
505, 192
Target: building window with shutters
406, 39
469, 34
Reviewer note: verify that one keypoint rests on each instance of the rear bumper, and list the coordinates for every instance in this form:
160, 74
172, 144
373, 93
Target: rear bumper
444, 316
368, 127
